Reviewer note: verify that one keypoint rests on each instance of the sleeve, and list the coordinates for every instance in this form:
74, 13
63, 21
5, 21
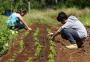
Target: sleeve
66, 25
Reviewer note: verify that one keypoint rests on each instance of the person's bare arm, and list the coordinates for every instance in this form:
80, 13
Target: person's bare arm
23, 21
54, 34
66, 25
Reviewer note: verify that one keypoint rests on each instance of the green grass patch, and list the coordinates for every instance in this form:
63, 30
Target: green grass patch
48, 16
85, 18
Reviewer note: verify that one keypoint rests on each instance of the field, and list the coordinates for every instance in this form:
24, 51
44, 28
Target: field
36, 46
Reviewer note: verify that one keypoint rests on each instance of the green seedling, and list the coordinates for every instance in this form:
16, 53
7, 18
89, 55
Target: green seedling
37, 44
29, 60
52, 50
21, 45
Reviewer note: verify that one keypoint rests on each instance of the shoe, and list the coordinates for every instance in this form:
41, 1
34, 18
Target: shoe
72, 46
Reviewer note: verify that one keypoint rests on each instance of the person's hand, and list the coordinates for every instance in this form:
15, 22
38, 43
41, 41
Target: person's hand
50, 34
29, 29
53, 37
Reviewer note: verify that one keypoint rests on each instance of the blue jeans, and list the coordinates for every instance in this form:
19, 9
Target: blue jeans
71, 35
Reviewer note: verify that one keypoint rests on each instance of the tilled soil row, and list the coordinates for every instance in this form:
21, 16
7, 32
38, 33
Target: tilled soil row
63, 54
28, 50
44, 41
43, 56
14, 48
77, 55
58, 44
72, 55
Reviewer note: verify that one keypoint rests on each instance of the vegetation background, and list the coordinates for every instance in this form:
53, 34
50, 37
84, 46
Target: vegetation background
44, 11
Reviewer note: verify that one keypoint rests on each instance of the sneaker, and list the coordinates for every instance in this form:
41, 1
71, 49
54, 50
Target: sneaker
72, 46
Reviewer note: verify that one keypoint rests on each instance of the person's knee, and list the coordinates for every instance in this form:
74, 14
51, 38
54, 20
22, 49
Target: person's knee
63, 31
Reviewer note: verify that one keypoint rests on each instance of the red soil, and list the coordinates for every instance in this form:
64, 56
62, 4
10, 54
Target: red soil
43, 56
44, 42
74, 55
28, 50
14, 48
63, 54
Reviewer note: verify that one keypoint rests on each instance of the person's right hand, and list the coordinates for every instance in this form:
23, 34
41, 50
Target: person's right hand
29, 29
50, 34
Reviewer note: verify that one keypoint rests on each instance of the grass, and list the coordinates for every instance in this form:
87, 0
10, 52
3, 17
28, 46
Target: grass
85, 18
48, 16
41, 17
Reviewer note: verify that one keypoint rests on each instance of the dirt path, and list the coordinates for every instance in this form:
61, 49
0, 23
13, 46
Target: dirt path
28, 50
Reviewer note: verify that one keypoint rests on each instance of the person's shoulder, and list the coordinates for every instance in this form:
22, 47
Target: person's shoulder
14, 13
18, 15
72, 17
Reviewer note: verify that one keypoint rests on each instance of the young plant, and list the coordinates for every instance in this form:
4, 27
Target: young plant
37, 44
29, 60
52, 53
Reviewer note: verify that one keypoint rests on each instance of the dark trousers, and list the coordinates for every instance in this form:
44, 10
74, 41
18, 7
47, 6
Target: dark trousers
72, 36
20, 26
17, 26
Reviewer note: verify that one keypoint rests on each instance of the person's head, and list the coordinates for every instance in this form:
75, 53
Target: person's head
22, 12
62, 17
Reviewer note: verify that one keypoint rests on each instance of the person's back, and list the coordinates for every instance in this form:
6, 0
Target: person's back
13, 19
16, 22
74, 23
72, 30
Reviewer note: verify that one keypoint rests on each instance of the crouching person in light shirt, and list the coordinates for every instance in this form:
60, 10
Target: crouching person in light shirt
16, 22
72, 30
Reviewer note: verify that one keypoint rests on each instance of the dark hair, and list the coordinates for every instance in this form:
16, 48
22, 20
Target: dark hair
61, 17
20, 11
24, 11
